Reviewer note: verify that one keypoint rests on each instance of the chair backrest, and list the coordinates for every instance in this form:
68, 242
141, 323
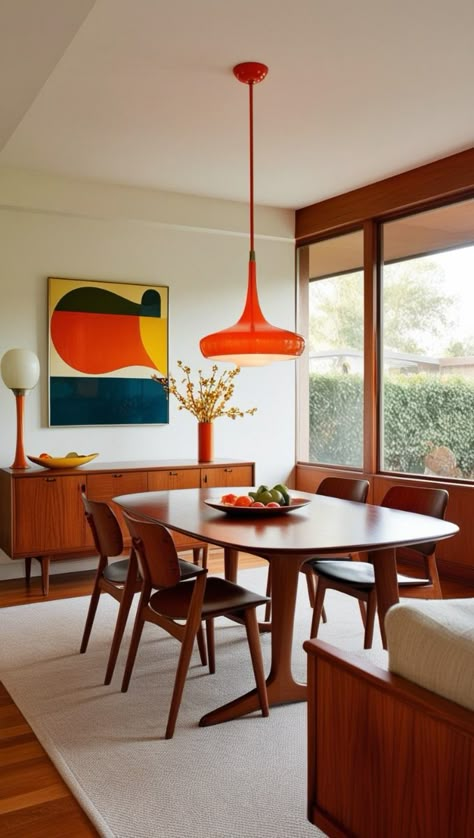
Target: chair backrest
345, 488
105, 528
156, 552
423, 501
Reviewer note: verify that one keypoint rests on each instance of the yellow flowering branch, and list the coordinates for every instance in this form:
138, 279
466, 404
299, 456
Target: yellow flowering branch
208, 399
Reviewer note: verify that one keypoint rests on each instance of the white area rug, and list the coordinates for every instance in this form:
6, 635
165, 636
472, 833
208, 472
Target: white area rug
241, 779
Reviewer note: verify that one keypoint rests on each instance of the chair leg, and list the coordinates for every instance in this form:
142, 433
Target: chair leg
253, 637
192, 625
382, 632
211, 645
370, 619
124, 609
94, 601
363, 611
136, 635
431, 569
201, 645
268, 592
318, 607
311, 584
200, 556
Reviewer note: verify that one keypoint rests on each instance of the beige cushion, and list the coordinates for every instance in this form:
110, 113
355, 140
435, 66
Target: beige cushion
431, 642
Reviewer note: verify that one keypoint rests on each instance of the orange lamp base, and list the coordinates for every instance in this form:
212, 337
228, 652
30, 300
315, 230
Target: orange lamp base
20, 459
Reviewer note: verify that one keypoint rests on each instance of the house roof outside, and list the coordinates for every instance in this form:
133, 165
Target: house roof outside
352, 360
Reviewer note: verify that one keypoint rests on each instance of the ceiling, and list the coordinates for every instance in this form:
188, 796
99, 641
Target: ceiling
141, 92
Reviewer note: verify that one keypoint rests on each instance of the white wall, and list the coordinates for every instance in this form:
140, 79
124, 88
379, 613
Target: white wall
199, 248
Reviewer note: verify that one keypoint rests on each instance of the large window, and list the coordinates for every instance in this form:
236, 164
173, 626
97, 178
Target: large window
386, 299
336, 351
427, 420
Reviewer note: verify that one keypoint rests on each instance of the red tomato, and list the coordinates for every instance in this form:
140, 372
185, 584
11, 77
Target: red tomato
258, 504
243, 500
273, 505
230, 499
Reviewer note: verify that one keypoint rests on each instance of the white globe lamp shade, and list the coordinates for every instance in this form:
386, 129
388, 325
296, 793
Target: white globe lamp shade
20, 369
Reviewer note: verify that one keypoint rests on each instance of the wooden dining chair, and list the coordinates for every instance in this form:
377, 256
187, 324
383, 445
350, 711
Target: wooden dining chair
120, 579
173, 593
343, 488
357, 578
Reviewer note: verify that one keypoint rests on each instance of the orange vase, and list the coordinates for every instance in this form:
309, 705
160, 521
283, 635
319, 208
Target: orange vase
205, 442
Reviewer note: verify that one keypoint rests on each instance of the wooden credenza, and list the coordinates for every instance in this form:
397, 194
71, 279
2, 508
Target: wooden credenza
41, 511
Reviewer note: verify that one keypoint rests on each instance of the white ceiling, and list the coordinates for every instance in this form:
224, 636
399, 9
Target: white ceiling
141, 92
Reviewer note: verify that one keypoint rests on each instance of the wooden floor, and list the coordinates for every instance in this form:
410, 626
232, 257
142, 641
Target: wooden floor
34, 800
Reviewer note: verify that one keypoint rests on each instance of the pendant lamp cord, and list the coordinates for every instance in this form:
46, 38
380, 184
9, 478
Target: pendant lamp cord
252, 247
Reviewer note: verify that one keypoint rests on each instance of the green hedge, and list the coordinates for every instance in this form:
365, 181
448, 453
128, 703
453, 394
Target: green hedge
420, 411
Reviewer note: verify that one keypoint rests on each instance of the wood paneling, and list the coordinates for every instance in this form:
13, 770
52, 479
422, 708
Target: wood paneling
450, 177
308, 477
385, 757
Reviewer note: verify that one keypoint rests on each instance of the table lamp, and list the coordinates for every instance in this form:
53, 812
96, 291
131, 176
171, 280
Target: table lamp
20, 372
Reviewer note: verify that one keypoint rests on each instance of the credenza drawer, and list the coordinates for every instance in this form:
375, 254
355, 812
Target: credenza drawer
106, 486
174, 478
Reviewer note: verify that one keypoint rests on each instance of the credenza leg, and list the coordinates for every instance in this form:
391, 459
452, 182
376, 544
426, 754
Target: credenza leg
44, 562
28, 570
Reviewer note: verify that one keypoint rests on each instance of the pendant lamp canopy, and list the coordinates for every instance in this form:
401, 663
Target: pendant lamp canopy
252, 341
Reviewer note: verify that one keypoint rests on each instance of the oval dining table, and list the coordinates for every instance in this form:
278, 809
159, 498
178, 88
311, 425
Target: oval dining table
323, 526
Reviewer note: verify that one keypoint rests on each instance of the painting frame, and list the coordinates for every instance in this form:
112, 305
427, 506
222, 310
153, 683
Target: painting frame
106, 341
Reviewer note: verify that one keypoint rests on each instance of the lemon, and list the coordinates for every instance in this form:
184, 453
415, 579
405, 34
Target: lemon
265, 497
72, 454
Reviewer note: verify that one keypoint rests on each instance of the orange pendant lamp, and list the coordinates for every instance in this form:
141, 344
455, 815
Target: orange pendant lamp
252, 341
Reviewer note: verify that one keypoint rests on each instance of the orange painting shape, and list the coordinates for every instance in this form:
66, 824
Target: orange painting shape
98, 343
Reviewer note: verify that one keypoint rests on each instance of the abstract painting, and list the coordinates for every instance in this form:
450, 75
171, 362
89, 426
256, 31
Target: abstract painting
106, 340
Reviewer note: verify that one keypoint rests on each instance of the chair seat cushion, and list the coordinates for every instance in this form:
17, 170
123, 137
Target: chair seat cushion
359, 574
220, 597
431, 642
307, 567
189, 569
117, 571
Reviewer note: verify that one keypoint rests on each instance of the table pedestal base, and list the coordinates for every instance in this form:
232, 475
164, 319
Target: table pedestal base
281, 686
248, 703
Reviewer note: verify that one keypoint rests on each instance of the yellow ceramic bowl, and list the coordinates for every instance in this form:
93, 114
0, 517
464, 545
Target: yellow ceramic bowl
62, 462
